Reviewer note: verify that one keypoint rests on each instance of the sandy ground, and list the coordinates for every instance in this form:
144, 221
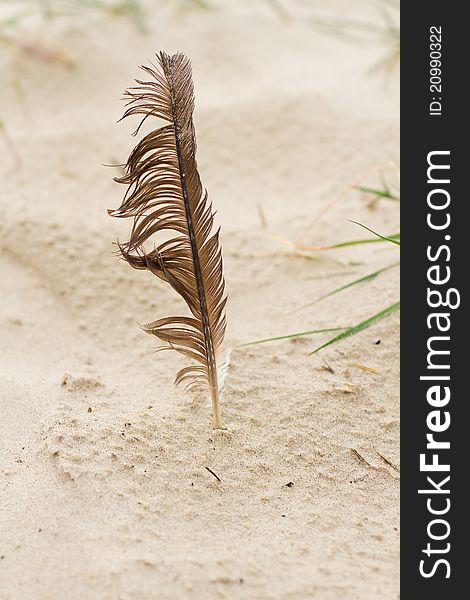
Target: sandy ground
104, 490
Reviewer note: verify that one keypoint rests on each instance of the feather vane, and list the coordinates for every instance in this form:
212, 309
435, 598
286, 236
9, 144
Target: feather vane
165, 194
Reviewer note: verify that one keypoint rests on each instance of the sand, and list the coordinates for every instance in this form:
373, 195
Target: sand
105, 492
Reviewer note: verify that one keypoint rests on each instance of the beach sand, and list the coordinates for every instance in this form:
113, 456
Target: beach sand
105, 487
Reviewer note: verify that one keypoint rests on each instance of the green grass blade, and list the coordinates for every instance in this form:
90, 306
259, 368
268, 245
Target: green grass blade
368, 277
395, 238
361, 326
293, 335
386, 193
379, 239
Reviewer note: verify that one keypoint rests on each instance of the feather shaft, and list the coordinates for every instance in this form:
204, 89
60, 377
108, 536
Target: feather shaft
214, 390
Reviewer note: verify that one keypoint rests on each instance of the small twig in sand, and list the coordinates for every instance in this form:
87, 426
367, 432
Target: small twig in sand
328, 367
366, 368
359, 457
389, 462
346, 388
262, 216
212, 473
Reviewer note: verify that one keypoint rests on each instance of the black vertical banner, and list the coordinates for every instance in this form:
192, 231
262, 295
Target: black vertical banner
435, 359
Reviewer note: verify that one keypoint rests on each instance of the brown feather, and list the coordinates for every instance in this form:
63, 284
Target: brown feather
165, 193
